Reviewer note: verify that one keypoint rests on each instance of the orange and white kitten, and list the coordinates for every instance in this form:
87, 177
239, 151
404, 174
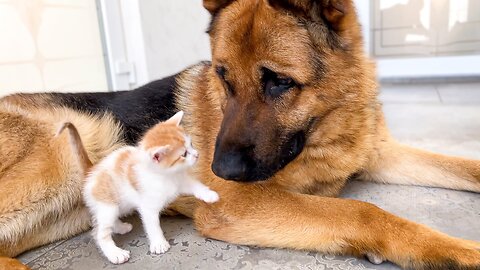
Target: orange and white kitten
145, 178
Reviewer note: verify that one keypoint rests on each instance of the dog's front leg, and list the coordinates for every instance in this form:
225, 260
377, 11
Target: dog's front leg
11, 264
269, 217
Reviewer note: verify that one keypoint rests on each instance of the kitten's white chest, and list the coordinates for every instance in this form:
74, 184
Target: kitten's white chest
159, 189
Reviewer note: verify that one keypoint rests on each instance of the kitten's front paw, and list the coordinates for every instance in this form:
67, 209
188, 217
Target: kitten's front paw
209, 196
118, 255
159, 247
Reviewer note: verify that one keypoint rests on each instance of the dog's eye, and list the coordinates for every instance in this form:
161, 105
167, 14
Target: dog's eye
275, 85
222, 73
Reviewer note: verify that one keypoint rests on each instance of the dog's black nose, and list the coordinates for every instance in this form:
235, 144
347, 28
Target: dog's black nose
230, 166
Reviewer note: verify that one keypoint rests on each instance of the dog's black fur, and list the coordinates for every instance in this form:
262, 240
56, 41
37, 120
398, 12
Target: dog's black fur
137, 110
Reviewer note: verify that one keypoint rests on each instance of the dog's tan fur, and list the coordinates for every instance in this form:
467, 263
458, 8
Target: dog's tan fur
11, 264
349, 138
40, 178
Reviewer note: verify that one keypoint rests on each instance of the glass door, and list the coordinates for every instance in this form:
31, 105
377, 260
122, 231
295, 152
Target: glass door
423, 38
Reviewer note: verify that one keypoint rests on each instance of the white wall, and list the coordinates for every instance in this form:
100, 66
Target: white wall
147, 40
363, 12
174, 35
48, 45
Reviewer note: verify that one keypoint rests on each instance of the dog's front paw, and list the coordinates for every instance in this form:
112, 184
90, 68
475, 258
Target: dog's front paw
159, 247
374, 258
117, 255
209, 196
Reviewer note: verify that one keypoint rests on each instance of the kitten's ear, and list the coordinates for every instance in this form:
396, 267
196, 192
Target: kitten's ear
176, 119
159, 153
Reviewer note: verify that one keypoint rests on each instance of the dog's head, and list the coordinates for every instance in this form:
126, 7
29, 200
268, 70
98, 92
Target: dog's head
279, 66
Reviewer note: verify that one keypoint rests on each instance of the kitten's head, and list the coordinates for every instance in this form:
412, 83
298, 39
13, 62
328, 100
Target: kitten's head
168, 146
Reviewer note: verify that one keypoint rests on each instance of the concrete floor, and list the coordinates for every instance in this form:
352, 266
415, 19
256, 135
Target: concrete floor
442, 118
435, 115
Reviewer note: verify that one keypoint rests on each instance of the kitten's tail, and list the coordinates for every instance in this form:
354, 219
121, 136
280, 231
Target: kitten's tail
77, 145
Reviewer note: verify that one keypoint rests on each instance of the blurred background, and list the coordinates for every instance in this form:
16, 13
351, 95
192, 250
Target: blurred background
97, 45
101, 45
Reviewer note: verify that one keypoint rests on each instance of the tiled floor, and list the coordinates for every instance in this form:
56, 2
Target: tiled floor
442, 118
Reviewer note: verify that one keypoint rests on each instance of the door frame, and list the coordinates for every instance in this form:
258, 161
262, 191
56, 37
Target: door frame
124, 43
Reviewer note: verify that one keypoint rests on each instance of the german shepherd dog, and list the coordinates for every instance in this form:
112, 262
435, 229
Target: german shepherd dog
288, 104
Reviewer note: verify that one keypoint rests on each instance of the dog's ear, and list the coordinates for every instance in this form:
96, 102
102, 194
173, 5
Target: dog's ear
335, 13
213, 6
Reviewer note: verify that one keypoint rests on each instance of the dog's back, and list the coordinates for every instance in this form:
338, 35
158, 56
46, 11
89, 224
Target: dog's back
40, 174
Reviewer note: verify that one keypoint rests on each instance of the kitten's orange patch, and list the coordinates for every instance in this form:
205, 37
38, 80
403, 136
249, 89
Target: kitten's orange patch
173, 156
104, 189
131, 176
120, 162
166, 134
177, 160
124, 166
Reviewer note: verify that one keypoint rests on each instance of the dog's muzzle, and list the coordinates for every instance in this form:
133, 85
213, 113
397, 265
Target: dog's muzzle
241, 165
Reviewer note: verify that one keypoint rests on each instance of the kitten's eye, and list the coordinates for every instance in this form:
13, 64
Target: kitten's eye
185, 154
275, 85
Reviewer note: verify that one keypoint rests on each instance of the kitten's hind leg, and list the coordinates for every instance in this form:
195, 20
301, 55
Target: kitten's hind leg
106, 217
122, 227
